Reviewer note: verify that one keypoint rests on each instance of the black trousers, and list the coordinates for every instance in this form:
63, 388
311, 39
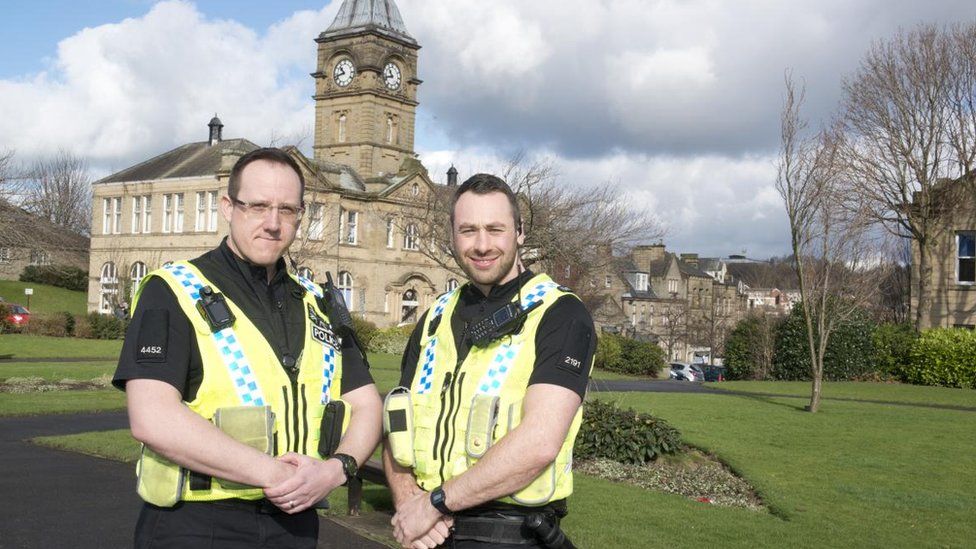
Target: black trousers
452, 543
224, 525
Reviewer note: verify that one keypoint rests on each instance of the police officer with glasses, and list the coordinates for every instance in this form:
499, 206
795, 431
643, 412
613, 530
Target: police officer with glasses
250, 407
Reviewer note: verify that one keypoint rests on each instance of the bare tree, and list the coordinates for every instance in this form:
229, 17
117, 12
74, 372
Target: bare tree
910, 120
675, 323
829, 242
59, 189
563, 225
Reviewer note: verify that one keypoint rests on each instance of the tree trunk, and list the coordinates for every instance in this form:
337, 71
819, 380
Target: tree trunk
923, 310
816, 388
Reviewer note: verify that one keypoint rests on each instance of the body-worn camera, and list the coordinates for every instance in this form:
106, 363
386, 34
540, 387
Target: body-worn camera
502, 322
214, 309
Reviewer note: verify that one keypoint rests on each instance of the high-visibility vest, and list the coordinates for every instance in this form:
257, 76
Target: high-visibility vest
240, 368
461, 410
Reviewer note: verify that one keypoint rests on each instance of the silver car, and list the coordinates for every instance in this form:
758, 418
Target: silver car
686, 372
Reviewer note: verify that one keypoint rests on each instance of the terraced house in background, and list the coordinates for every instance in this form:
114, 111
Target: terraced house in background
365, 186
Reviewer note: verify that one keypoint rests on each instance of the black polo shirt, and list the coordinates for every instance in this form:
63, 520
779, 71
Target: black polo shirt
564, 343
276, 309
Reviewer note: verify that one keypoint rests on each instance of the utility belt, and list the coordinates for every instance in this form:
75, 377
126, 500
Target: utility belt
512, 527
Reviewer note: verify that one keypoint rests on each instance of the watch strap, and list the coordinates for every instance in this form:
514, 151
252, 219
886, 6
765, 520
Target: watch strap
437, 499
349, 465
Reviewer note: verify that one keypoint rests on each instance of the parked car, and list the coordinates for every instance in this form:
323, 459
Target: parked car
686, 372
18, 316
714, 373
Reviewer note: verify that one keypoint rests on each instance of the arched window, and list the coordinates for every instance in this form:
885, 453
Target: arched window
410, 239
452, 284
389, 129
345, 287
408, 307
342, 128
108, 287
136, 274
415, 189
306, 273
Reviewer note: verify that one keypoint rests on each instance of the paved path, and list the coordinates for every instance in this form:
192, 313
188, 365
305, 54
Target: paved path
50, 498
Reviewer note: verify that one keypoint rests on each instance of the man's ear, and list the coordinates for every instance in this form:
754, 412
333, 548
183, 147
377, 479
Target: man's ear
520, 233
226, 207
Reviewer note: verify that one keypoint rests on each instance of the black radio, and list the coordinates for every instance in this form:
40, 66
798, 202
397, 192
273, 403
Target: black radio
500, 323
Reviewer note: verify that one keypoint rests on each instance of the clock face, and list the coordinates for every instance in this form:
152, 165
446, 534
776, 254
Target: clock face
391, 76
344, 72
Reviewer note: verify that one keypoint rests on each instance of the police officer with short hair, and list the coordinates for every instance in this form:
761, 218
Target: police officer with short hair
234, 375
480, 434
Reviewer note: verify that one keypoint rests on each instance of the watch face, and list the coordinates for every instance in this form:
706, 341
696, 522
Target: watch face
391, 76
344, 72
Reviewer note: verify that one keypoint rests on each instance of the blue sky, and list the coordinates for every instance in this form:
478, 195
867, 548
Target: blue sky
674, 101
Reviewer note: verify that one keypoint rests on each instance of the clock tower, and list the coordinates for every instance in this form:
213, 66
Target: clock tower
366, 89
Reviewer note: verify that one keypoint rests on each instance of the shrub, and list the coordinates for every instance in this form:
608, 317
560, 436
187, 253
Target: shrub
849, 354
106, 326
749, 347
893, 347
608, 352
5, 326
623, 435
69, 323
641, 357
47, 325
616, 353
943, 356
391, 340
62, 276
365, 330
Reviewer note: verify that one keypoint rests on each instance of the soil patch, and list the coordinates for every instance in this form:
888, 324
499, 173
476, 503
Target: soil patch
693, 474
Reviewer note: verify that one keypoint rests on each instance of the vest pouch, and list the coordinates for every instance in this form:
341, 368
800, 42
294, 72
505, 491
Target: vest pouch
398, 425
335, 419
542, 487
481, 425
251, 425
159, 481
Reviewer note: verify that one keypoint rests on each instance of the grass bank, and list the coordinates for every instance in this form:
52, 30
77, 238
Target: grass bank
34, 346
46, 299
852, 390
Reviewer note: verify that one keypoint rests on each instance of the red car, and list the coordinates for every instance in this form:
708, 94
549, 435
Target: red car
18, 317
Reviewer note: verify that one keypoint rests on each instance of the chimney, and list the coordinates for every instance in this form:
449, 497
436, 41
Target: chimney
452, 176
646, 254
216, 130
690, 259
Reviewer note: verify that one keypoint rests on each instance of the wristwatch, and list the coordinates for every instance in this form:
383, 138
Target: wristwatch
437, 499
349, 465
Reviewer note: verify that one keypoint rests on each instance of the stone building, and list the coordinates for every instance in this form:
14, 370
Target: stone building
27, 239
952, 280
365, 186
673, 300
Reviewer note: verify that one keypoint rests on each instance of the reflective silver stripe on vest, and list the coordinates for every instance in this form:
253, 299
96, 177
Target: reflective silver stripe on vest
492, 381
328, 352
228, 346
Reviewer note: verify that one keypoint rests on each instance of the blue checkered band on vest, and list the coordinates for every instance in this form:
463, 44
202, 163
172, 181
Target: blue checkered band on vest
427, 367
491, 383
310, 286
442, 304
328, 352
228, 346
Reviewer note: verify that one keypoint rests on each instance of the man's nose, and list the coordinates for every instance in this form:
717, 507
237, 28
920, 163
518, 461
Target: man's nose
482, 241
272, 220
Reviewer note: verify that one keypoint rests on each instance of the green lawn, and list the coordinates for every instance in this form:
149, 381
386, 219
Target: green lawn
56, 371
60, 402
853, 475
33, 346
846, 390
46, 299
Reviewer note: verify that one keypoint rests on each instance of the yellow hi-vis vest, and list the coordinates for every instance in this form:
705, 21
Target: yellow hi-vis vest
460, 410
240, 368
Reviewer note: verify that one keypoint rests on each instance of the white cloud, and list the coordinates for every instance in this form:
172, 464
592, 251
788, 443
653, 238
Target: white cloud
119, 93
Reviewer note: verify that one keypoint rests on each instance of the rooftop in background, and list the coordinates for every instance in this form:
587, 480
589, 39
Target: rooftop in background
381, 16
190, 160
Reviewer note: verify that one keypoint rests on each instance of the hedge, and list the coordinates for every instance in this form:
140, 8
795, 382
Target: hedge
623, 435
616, 353
391, 340
893, 345
849, 354
943, 356
62, 276
747, 346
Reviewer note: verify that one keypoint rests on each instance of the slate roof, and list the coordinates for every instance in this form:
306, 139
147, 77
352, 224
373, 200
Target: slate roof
380, 16
190, 160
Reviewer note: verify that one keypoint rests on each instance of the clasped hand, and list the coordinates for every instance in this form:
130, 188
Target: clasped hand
417, 524
304, 482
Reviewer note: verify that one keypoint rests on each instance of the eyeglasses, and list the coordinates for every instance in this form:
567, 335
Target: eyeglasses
287, 212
